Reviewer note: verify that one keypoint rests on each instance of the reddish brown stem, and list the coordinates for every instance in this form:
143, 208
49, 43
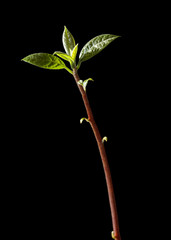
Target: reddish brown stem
115, 223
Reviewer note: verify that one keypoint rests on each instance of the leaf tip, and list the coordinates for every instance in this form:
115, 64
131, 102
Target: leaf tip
24, 59
117, 36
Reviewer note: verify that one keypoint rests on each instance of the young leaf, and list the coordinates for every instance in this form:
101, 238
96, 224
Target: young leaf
45, 60
113, 235
95, 46
68, 41
74, 53
84, 83
82, 119
64, 56
104, 139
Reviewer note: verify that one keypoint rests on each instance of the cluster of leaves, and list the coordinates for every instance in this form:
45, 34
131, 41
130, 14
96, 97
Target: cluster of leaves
53, 61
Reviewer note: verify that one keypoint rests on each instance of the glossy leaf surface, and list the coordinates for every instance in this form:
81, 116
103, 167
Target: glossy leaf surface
45, 60
74, 53
68, 41
64, 56
95, 46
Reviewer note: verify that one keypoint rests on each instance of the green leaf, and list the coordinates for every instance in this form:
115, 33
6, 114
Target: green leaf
104, 139
64, 56
45, 60
74, 53
113, 235
82, 119
68, 41
84, 83
95, 46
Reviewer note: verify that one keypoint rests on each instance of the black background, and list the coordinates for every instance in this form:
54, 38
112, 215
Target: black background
56, 185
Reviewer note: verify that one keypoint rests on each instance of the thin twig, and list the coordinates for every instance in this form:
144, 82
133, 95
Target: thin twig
115, 223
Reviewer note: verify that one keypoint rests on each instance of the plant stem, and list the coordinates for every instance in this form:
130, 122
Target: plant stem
112, 201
